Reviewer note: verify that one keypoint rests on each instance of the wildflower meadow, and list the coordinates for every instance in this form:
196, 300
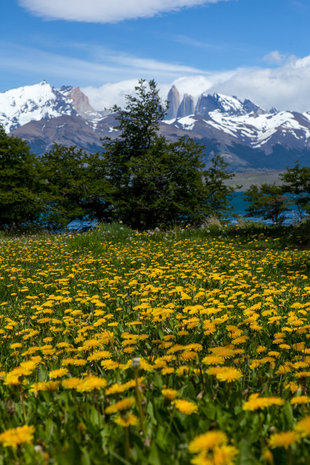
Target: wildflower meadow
154, 348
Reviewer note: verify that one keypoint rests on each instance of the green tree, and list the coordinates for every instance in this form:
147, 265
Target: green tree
267, 202
296, 181
73, 180
217, 191
20, 191
153, 182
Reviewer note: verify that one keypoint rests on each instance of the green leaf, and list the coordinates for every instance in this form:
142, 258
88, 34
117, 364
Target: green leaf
154, 457
150, 412
288, 416
246, 456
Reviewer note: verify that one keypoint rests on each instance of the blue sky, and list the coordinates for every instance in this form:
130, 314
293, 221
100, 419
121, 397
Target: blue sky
254, 48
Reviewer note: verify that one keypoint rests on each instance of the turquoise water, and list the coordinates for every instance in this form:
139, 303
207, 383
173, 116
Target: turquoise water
239, 205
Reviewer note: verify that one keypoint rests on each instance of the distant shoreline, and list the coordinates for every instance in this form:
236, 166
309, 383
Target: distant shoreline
247, 178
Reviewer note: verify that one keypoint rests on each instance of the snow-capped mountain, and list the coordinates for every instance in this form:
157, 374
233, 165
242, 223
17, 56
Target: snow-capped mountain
42, 101
248, 136
221, 117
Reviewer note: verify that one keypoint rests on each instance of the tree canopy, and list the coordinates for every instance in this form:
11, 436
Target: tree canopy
154, 182
296, 181
268, 202
21, 198
140, 178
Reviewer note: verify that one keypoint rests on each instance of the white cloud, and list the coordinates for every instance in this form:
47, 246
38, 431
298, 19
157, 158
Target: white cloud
110, 94
106, 11
105, 66
186, 40
109, 75
274, 58
285, 87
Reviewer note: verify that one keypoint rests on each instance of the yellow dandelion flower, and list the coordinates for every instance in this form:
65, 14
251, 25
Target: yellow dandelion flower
185, 406
12, 379
229, 374
44, 386
167, 370
214, 370
118, 388
213, 360
58, 373
225, 352
284, 439
16, 436
109, 364
207, 441
71, 383
129, 420
300, 400
224, 455
89, 383
73, 361
303, 374
170, 394
255, 402
293, 387
268, 456
121, 405
189, 356
303, 427
99, 355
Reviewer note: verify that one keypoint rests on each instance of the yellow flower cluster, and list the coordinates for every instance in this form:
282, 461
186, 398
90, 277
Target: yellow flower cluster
287, 438
212, 448
14, 437
154, 326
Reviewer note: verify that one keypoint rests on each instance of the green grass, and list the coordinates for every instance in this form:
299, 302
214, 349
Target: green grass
90, 303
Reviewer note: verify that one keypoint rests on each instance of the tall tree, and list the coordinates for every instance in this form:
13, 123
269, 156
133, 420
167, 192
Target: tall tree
267, 202
20, 191
153, 182
296, 181
73, 181
217, 190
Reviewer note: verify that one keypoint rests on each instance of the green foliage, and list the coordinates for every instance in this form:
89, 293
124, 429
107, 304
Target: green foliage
217, 192
95, 240
139, 121
268, 202
155, 183
297, 182
141, 179
20, 198
72, 183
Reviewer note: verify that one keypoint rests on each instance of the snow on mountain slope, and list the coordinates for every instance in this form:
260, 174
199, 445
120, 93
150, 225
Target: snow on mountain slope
258, 128
42, 101
246, 123
32, 103
224, 120
80, 103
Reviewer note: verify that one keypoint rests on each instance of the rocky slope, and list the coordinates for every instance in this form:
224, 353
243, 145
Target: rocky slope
42, 101
248, 136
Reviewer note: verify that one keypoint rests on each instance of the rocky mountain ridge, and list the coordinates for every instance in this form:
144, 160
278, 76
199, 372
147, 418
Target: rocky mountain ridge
248, 136
42, 101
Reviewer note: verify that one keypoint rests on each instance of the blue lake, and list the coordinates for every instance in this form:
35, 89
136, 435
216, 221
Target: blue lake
239, 205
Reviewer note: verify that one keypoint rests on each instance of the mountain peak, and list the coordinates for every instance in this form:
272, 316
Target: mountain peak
82, 105
208, 103
32, 103
173, 102
42, 101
